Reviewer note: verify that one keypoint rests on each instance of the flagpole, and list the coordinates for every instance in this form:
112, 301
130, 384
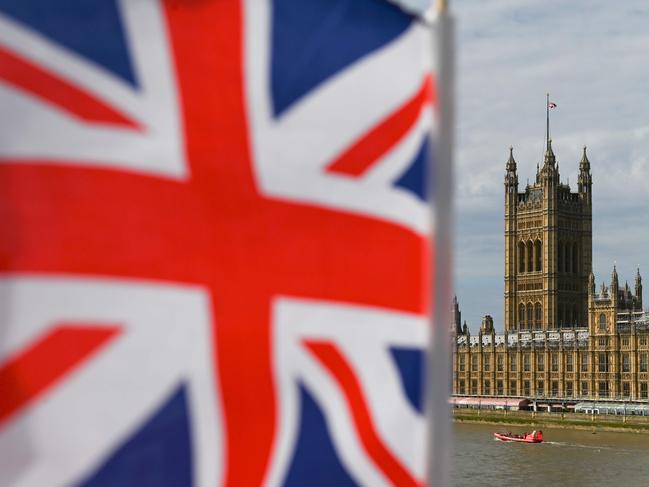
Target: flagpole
439, 356
547, 120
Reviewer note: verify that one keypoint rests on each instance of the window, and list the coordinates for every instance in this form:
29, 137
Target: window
602, 389
569, 391
526, 387
602, 322
512, 362
539, 388
538, 247
474, 364
487, 388
643, 390
521, 257
537, 315
462, 387
643, 361
626, 389
462, 362
512, 388
526, 362
521, 315
530, 315
584, 361
574, 258
540, 363
626, 362
569, 367
555, 362
474, 387
499, 388
487, 363
602, 362
602, 341
555, 388
643, 341
499, 362
584, 388
529, 259
625, 342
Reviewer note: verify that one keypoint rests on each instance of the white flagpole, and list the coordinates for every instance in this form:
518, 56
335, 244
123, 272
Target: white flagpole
439, 357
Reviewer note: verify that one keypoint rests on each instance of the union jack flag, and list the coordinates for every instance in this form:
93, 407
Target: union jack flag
213, 263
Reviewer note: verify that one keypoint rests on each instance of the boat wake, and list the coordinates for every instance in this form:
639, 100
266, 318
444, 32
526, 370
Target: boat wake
586, 447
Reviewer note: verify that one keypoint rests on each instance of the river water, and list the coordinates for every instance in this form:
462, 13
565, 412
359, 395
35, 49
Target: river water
567, 458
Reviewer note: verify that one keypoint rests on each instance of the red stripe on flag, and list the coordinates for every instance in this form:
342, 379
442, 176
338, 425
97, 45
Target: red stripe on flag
67, 97
33, 370
329, 355
366, 151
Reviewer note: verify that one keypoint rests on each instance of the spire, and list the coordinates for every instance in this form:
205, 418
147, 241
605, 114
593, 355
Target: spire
585, 180
549, 155
511, 163
511, 179
456, 325
638, 277
638, 288
614, 280
584, 164
591, 283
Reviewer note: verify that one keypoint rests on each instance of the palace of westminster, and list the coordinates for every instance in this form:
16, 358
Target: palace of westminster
564, 339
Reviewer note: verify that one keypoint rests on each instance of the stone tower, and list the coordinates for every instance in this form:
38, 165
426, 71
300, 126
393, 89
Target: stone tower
548, 248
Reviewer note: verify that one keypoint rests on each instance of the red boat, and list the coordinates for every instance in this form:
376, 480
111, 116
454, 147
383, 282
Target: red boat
533, 437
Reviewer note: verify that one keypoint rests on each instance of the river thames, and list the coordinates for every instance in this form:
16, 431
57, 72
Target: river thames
567, 458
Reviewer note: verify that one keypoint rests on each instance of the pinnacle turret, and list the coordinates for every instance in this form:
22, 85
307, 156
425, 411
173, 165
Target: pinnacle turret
585, 180
550, 159
614, 280
511, 178
511, 163
584, 164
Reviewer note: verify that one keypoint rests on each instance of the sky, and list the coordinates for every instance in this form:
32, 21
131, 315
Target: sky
592, 57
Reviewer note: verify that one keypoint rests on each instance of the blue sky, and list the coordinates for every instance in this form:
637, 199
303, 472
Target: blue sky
592, 56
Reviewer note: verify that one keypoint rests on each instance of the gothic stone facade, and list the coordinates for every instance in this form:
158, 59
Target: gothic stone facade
548, 248
562, 338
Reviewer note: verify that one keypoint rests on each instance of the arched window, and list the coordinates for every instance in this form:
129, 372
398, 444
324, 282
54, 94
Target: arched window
521, 315
521, 257
560, 259
530, 260
538, 315
562, 315
530, 315
575, 315
602, 322
575, 259
539, 255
